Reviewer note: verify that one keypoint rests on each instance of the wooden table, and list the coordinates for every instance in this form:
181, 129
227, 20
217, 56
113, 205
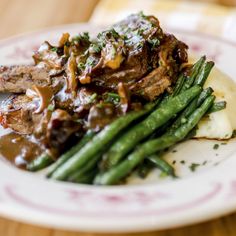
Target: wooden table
18, 16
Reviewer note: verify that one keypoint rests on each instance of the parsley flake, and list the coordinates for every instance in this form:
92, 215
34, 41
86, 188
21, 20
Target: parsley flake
92, 98
194, 166
54, 49
51, 107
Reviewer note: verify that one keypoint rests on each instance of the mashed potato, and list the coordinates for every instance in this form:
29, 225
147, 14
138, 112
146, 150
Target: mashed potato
220, 125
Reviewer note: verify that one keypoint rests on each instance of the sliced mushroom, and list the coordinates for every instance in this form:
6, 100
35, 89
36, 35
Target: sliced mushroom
43, 93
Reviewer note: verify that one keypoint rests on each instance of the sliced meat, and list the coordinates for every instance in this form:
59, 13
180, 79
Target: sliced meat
132, 69
17, 114
172, 53
129, 51
50, 128
90, 81
17, 79
60, 128
124, 51
101, 115
153, 84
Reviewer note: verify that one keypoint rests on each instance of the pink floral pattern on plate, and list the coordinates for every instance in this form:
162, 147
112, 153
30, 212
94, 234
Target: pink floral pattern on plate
112, 201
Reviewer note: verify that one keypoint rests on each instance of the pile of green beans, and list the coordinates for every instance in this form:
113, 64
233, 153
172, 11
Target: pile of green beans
136, 141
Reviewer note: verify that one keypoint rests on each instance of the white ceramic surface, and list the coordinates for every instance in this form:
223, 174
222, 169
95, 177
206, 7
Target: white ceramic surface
155, 203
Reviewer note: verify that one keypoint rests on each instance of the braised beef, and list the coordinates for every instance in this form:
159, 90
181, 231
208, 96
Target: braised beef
17, 114
101, 115
86, 83
60, 128
17, 79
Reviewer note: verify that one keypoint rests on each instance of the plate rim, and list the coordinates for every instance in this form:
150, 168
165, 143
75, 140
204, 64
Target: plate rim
211, 214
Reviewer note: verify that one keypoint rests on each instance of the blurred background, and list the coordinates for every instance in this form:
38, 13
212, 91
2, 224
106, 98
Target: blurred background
18, 16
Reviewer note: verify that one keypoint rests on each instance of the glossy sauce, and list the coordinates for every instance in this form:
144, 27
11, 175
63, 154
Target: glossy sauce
18, 150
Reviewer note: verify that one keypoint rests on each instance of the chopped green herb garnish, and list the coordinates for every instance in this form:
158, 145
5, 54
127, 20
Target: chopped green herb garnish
142, 14
91, 61
54, 49
216, 146
79, 121
113, 51
140, 45
85, 36
223, 143
173, 162
81, 37
111, 33
174, 151
154, 42
139, 32
125, 37
182, 162
96, 48
112, 97
194, 166
51, 107
100, 35
81, 66
114, 33
92, 98
99, 105
204, 163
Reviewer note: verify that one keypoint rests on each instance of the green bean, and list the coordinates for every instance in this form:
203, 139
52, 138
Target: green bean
99, 142
146, 127
203, 95
197, 67
201, 78
191, 134
183, 83
163, 165
82, 171
67, 155
204, 73
115, 174
190, 108
42, 161
179, 84
217, 106
87, 178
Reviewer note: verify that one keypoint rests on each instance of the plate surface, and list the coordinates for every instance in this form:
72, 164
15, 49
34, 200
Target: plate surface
155, 203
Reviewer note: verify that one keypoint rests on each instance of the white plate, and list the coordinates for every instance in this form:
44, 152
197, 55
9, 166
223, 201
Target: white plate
144, 205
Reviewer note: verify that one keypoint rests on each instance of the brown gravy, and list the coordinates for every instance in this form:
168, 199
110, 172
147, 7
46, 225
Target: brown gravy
18, 149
